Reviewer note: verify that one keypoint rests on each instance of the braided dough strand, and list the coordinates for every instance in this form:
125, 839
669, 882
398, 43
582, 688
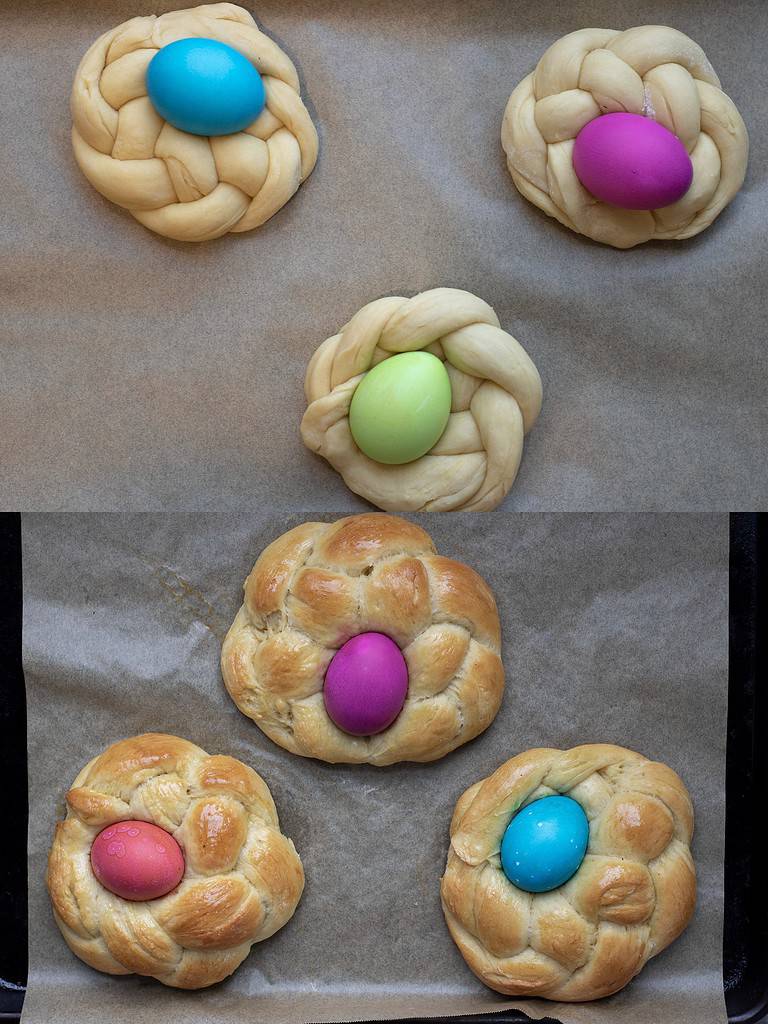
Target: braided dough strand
319, 585
651, 70
189, 187
242, 881
633, 894
496, 398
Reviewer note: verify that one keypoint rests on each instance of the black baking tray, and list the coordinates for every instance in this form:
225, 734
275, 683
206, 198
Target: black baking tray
745, 941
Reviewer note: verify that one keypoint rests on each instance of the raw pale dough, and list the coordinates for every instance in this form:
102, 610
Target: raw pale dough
187, 186
242, 878
633, 894
650, 70
496, 397
319, 585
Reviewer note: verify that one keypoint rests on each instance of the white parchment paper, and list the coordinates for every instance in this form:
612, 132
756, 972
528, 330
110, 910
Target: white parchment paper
138, 373
614, 629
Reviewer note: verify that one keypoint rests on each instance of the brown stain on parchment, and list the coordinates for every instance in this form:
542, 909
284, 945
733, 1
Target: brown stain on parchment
190, 599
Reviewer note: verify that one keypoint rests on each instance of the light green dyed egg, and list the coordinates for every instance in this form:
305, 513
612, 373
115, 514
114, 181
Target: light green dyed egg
400, 407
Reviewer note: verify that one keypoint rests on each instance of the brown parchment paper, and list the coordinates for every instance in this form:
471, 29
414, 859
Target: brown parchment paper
137, 373
614, 629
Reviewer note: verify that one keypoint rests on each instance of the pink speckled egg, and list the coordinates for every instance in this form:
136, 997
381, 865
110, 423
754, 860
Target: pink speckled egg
631, 161
366, 684
137, 860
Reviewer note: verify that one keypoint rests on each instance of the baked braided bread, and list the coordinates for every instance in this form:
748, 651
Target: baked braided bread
650, 70
242, 880
495, 400
185, 186
633, 894
319, 585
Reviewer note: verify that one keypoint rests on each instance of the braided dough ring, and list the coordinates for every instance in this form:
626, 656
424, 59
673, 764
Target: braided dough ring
186, 186
633, 894
651, 70
496, 397
242, 879
319, 585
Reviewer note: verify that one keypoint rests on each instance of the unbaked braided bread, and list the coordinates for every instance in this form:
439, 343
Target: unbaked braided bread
319, 585
187, 186
496, 398
633, 894
242, 879
650, 70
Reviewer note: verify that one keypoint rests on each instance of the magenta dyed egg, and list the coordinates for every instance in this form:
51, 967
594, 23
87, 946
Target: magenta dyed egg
366, 684
631, 161
137, 860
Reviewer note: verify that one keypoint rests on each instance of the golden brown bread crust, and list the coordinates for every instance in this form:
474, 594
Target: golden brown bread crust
242, 881
633, 894
320, 584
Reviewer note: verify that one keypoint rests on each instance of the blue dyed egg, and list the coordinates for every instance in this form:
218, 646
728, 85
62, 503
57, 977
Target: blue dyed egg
545, 843
204, 87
